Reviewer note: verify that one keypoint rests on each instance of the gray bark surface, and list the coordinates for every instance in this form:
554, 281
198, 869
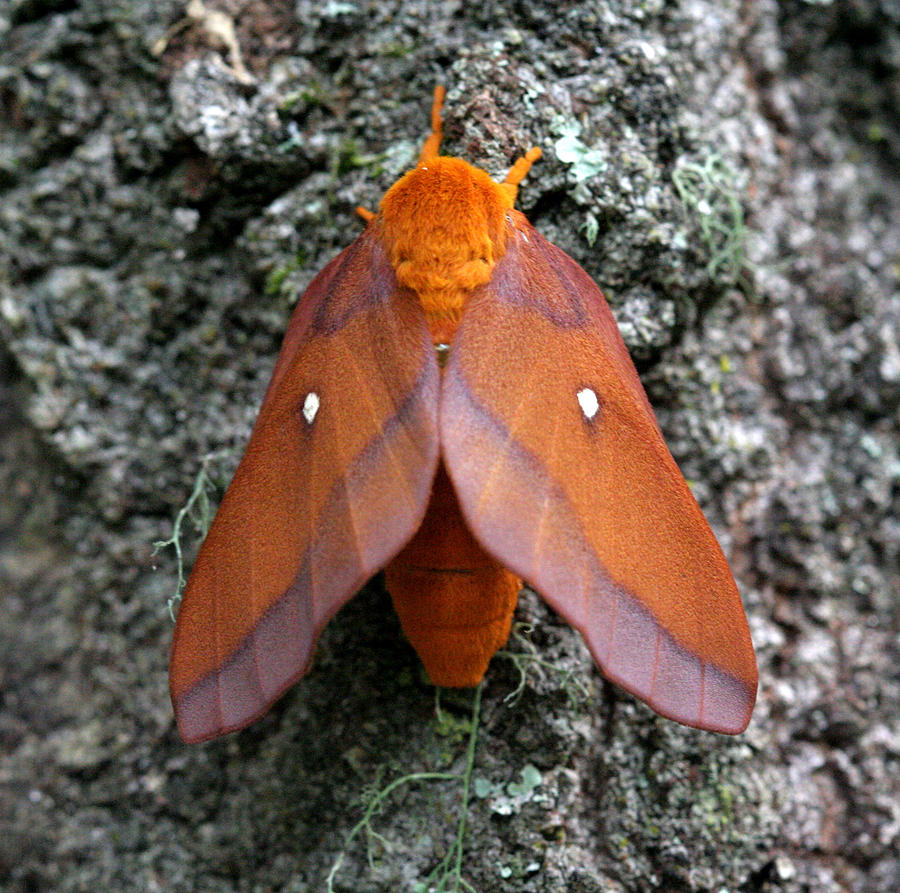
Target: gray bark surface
726, 171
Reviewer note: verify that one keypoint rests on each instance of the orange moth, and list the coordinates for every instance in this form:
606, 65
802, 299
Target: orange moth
453, 403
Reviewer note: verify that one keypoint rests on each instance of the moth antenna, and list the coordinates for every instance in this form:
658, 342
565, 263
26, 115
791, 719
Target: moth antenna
433, 142
519, 171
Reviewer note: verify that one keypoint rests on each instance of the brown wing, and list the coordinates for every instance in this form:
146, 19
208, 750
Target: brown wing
334, 482
564, 477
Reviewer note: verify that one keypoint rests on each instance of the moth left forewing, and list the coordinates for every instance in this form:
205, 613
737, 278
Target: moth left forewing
564, 477
335, 480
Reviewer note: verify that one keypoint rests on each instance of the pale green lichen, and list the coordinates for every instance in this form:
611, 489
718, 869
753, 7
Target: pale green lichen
446, 876
708, 190
276, 279
585, 161
196, 511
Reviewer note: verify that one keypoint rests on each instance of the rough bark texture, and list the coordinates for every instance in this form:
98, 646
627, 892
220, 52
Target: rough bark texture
159, 215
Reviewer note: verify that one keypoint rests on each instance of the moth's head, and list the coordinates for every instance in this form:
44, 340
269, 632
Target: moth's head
445, 219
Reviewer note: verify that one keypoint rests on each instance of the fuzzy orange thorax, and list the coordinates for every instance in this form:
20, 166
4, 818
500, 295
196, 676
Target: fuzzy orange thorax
444, 227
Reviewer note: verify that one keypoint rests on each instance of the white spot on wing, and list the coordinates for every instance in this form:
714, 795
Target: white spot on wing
588, 402
311, 406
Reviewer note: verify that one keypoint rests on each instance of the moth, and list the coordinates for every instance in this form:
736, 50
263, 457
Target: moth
453, 403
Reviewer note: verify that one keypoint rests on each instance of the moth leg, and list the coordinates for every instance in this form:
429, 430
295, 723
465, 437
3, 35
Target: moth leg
365, 213
433, 142
518, 172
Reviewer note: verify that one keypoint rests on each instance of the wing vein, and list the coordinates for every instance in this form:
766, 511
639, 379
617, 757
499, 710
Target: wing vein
541, 526
390, 449
502, 453
311, 522
656, 656
254, 602
345, 479
702, 716
217, 642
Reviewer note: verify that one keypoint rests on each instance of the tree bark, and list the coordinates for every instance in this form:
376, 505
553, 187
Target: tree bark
173, 176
